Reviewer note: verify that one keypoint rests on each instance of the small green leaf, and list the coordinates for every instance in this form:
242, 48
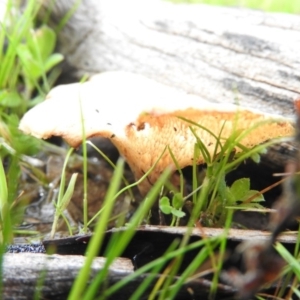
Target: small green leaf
42, 42
31, 68
240, 187
177, 201
255, 157
52, 61
177, 213
166, 209
164, 201
10, 99
259, 197
22, 143
164, 205
229, 196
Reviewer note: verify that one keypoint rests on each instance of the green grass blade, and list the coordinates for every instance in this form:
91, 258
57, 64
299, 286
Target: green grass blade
148, 267
119, 241
96, 242
152, 275
3, 186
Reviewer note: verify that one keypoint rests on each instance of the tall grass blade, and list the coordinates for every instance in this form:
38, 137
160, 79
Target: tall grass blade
96, 242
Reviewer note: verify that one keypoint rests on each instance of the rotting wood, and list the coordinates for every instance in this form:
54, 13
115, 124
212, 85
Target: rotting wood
221, 54
22, 273
29, 274
232, 234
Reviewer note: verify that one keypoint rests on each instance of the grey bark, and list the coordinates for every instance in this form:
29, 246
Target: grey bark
220, 54
51, 277
29, 276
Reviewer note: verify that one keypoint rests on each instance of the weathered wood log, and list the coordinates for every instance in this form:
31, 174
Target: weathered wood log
52, 276
28, 274
220, 54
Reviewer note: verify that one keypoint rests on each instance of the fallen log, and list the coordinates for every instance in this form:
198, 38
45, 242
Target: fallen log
220, 54
30, 275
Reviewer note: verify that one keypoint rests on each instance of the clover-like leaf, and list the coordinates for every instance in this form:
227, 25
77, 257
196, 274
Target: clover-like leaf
164, 205
177, 213
255, 195
239, 188
177, 201
42, 42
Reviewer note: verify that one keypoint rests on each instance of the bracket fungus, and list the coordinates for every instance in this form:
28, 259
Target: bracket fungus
142, 117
